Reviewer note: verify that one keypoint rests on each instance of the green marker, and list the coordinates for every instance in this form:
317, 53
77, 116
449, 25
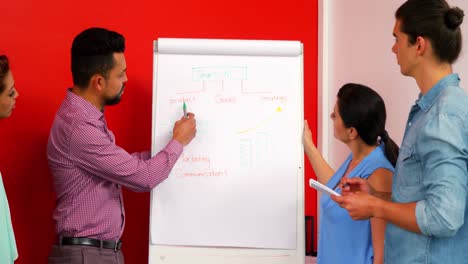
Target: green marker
185, 110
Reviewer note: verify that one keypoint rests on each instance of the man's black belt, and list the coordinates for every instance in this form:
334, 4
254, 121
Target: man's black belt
85, 241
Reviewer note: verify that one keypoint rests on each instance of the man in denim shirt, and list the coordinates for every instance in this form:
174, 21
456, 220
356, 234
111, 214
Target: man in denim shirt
426, 218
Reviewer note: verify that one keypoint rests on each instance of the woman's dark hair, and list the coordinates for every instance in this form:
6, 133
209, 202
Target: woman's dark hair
362, 108
4, 69
93, 52
435, 20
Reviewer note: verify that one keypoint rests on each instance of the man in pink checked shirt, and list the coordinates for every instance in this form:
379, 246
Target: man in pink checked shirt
88, 168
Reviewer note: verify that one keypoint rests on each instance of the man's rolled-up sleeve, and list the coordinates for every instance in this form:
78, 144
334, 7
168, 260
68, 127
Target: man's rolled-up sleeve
443, 153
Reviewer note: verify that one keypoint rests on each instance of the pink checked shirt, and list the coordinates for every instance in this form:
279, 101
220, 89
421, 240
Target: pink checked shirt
89, 170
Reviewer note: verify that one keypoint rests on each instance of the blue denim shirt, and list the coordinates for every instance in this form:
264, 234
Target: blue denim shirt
432, 171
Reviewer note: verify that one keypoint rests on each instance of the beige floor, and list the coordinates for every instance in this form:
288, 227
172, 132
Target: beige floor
311, 260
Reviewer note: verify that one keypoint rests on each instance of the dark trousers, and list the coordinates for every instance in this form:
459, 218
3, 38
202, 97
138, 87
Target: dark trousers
84, 255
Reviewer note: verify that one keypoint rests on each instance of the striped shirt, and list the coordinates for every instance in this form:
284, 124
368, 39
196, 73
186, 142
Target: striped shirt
89, 171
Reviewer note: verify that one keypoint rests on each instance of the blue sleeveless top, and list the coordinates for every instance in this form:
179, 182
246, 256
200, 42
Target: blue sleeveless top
341, 239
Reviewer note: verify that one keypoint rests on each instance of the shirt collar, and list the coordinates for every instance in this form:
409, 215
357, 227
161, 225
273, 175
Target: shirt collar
427, 100
83, 104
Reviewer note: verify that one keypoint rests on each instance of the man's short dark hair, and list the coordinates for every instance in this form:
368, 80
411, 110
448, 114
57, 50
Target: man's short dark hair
92, 53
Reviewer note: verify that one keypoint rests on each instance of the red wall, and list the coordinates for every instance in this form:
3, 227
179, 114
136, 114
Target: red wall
37, 35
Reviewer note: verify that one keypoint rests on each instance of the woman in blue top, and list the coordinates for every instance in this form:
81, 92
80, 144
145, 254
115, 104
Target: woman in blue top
8, 94
359, 121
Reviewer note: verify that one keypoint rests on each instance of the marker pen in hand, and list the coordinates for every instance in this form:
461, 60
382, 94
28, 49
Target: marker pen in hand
184, 107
